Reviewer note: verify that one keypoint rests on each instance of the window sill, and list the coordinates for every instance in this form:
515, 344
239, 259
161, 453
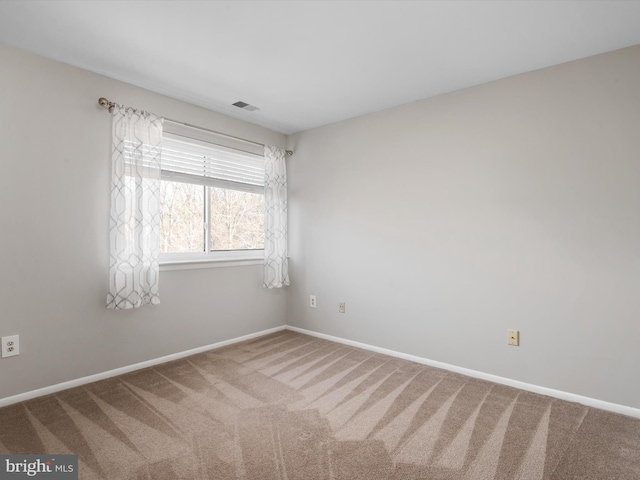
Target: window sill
192, 263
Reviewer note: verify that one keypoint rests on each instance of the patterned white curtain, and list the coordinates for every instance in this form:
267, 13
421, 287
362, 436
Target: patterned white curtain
276, 263
135, 209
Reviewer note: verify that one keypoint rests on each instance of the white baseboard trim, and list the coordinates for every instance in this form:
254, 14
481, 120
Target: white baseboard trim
570, 397
21, 397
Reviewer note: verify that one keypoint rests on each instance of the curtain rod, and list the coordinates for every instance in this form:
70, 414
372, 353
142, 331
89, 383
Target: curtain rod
103, 102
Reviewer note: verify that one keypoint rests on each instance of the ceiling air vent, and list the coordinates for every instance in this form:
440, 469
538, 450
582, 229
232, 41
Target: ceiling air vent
245, 106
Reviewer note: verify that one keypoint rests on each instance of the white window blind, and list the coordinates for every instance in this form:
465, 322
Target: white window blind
215, 166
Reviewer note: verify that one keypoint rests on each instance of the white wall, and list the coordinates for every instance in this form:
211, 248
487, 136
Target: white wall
54, 219
515, 204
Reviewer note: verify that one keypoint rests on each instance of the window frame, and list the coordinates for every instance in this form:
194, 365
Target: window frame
208, 258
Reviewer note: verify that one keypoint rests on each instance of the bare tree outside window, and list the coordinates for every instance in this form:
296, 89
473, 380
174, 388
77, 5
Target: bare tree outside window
181, 217
236, 220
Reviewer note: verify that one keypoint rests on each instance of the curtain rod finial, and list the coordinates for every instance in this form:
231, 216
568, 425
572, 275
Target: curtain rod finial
103, 102
289, 152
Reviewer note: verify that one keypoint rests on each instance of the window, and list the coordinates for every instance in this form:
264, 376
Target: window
211, 202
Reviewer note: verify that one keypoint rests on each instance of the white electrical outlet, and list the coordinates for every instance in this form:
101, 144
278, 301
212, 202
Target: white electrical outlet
10, 346
312, 301
513, 337
341, 307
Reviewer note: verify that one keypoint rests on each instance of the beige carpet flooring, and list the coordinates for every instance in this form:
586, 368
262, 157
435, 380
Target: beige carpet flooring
288, 406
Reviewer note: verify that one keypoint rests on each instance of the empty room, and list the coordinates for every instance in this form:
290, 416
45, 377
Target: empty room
282, 240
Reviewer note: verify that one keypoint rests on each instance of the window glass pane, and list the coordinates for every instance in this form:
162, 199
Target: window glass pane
181, 217
236, 220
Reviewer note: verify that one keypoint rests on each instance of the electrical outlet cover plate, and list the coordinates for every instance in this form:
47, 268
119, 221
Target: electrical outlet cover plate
312, 301
10, 346
513, 337
341, 307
